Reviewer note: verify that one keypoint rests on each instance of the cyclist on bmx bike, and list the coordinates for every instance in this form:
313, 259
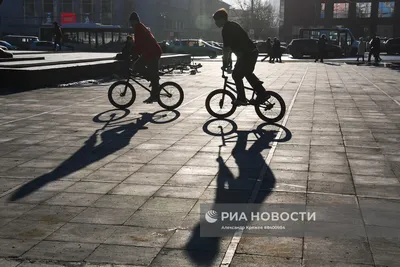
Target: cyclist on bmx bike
222, 103
147, 45
236, 40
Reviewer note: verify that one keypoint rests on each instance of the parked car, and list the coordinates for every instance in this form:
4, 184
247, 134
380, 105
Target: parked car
216, 44
309, 47
47, 46
8, 45
262, 47
20, 41
393, 46
194, 47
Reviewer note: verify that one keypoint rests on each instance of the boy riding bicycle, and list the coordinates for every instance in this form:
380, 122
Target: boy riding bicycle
148, 64
236, 40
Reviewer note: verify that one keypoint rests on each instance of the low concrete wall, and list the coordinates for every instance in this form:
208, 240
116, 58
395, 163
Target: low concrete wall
43, 75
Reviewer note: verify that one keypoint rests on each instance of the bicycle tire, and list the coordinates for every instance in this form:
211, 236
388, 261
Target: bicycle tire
181, 96
211, 111
281, 113
113, 102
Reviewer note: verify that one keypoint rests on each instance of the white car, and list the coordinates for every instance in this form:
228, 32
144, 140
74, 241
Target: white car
3, 47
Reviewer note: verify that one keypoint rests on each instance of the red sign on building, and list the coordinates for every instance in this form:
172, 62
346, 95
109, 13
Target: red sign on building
67, 18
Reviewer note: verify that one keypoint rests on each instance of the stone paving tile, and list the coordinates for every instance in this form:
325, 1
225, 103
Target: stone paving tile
181, 258
73, 199
135, 189
15, 247
344, 250
91, 187
190, 180
107, 176
165, 219
32, 230
39, 264
62, 251
13, 210
120, 202
180, 192
139, 236
117, 254
285, 247
148, 178
263, 261
322, 262
169, 204
52, 214
103, 216
79, 232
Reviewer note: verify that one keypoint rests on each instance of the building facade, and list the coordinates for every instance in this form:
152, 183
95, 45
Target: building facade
27, 16
363, 17
167, 19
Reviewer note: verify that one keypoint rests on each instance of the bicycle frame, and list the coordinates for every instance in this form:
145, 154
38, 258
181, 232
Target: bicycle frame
229, 85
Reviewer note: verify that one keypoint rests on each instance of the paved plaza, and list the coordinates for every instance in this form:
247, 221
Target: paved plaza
83, 184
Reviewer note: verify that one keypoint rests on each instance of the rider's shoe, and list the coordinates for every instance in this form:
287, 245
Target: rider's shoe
239, 102
150, 100
261, 98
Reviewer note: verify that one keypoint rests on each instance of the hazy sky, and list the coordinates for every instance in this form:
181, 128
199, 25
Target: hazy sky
233, 2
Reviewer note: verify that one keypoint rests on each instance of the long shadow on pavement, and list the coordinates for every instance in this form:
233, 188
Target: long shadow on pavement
203, 251
112, 140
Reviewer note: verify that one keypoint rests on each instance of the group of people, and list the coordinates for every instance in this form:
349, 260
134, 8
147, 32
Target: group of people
375, 49
273, 49
235, 40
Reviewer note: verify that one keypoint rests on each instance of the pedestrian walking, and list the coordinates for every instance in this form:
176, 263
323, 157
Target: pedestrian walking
362, 47
57, 36
321, 48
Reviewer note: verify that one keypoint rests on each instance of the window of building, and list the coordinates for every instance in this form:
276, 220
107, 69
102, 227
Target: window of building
86, 10
107, 11
386, 9
340, 10
29, 8
67, 6
322, 11
363, 10
384, 31
48, 11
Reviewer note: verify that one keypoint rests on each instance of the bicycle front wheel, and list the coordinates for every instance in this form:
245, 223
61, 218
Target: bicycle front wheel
219, 103
171, 95
121, 94
273, 109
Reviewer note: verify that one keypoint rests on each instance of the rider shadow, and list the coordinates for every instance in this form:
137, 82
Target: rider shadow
112, 140
203, 251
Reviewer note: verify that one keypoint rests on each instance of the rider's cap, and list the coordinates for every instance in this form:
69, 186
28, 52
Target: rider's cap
220, 14
134, 16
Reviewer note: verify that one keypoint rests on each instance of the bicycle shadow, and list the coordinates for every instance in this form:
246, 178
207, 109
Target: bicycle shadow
237, 190
111, 141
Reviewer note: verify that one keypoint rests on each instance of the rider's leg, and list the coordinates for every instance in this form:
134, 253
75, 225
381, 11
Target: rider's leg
152, 70
253, 80
238, 75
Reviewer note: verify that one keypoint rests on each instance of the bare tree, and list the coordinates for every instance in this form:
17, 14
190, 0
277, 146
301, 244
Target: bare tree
265, 19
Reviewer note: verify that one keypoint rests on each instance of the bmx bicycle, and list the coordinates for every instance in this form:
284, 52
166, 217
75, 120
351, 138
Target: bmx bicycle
220, 103
122, 94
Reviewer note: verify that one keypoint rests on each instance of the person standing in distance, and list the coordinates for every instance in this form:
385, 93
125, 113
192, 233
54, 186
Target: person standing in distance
57, 36
236, 40
147, 46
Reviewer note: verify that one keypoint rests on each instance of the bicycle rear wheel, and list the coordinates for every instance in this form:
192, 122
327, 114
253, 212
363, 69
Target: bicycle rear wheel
219, 103
121, 94
273, 109
171, 95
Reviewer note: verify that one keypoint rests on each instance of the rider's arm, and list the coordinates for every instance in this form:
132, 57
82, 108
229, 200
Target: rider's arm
227, 53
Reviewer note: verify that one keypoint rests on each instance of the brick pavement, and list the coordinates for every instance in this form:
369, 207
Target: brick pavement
129, 193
